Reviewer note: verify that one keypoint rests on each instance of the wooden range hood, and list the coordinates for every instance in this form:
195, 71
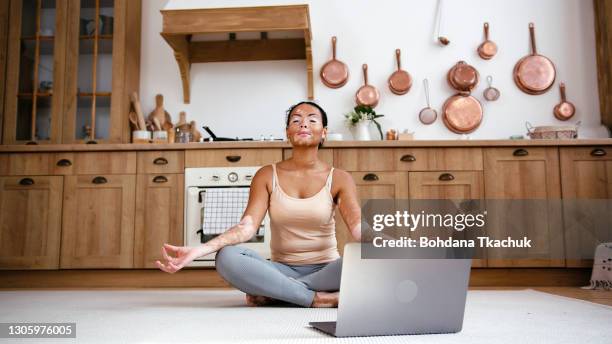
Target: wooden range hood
180, 26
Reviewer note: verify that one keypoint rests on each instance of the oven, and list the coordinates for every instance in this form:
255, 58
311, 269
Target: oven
215, 200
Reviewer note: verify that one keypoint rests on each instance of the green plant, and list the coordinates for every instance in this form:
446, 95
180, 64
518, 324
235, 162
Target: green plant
364, 113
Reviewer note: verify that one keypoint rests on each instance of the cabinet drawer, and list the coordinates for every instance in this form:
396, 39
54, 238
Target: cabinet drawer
587, 153
446, 185
232, 157
4, 158
161, 162
94, 163
438, 159
36, 164
364, 159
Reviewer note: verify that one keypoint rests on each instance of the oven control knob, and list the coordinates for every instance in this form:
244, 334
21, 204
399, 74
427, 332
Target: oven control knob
232, 177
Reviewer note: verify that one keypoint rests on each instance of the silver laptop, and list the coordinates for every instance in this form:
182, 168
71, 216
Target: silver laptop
398, 296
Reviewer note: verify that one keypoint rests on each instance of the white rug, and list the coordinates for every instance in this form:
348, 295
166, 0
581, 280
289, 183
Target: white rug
212, 316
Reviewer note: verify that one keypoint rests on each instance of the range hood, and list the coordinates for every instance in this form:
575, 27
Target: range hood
211, 35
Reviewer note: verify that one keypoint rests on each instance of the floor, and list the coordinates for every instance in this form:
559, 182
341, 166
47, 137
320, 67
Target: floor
499, 315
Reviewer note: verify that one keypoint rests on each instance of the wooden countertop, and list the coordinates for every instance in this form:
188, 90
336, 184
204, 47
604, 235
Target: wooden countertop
283, 144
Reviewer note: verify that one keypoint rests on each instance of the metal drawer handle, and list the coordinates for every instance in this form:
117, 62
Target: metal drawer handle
370, 177
160, 179
160, 161
64, 162
520, 152
99, 180
598, 152
91, 142
446, 177
31, 143
408, 158
233, 158
26, 181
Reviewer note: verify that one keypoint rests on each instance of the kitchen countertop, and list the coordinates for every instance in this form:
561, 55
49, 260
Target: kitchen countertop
284, 144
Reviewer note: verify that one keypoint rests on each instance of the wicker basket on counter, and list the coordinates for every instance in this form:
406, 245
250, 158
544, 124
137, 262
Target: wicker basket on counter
562, 132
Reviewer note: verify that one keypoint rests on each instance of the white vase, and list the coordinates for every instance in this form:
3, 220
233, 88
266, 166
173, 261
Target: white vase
361, 131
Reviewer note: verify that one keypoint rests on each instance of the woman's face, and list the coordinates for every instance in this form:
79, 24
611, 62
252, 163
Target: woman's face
305, 126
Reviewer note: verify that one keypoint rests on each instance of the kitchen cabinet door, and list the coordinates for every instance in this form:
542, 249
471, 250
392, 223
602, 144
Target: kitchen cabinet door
586, 176
459, 186
372, 185
30, 222
159, 216
531, 174
98, 221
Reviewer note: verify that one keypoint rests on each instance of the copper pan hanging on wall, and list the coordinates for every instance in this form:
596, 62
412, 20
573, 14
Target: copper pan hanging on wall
564, 110
488, 48
367, 95
534, 74
400, 81
462, 113
334, 73
462, 77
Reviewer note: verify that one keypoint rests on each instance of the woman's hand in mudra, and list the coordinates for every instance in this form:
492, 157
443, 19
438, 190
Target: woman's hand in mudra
184, 256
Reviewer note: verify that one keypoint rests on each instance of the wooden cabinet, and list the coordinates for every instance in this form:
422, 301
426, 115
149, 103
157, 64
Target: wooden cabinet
456, 186
159, 216
98, 221
232, 157
603, 37
372, 185
30, 222
586, 176
530, 178
71, 65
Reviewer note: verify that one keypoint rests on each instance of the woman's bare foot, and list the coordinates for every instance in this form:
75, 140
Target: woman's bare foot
258, 300
325, 300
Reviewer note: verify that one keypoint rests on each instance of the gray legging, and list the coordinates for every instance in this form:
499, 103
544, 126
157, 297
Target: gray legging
247, 271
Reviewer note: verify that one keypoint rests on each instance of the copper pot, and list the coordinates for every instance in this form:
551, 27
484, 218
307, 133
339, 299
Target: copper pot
488, 48
400, 81
367, 95
334, 73
462, 113
463, 77
564, 110
534, 74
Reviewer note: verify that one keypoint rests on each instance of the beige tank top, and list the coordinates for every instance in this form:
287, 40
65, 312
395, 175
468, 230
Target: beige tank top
303, 230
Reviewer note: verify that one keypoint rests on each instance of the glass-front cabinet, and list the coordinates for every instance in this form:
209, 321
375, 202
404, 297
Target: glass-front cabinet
71, 66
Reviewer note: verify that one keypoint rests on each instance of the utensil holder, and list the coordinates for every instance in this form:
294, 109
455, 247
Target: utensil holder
141, 136
160, 136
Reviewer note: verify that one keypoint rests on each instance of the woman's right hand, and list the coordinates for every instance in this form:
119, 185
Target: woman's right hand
184, 256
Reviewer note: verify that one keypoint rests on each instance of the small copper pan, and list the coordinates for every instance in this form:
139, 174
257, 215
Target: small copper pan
367, 95
564, 110
400, 81
462, 113
334, 73
534, 74
463, 77
488, 48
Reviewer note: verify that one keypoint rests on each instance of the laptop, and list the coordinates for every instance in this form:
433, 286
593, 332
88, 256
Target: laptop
399, 296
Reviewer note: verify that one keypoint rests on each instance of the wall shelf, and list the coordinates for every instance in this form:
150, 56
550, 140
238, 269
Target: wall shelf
180, 27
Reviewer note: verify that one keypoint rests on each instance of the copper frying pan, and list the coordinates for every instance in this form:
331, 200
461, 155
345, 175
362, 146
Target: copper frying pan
462, 113
334, 73
534, 74
367, 95
488, 48
400, 81
564, 110
463, 77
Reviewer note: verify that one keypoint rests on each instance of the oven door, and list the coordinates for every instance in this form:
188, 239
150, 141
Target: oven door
212, 210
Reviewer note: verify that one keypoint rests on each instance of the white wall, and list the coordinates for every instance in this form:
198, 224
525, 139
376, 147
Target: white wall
247, 99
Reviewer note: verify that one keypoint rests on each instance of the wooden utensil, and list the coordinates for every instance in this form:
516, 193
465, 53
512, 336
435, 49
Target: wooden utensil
134, 121
367, 95
400, 81
156, 124
564, 110
136, 104
334, 73
159, 112
488, 48
195, 133
534, 74
182, 119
